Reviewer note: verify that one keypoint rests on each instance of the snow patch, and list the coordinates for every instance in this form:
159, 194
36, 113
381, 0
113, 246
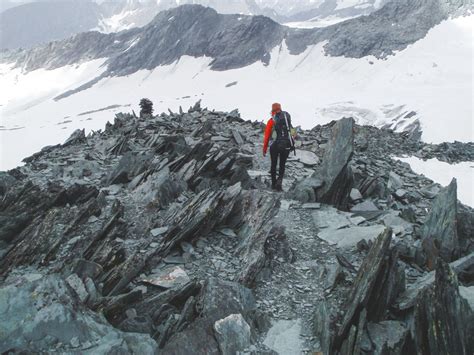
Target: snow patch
443, 173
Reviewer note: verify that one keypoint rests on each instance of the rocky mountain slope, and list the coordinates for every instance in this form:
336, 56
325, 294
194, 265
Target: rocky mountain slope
159, 235
235, 41
31, 23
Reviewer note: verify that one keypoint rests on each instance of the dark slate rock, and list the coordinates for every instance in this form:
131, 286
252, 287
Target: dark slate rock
409, 297
389, 337
54, 315
379, 281
78, 136
444, 321
439, 232
334, 173
334, 170
129, 166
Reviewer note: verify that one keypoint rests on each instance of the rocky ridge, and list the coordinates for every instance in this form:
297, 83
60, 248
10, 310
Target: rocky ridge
160, 235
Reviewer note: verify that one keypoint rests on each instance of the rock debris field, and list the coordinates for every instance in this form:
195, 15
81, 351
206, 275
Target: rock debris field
160, 235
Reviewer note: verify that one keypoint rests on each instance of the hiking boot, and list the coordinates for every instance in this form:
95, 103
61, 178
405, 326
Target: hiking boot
278, 185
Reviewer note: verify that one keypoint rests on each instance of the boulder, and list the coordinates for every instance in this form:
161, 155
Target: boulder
54, 321
232, 334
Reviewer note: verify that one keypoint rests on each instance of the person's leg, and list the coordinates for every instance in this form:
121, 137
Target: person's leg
283, 154
274, 160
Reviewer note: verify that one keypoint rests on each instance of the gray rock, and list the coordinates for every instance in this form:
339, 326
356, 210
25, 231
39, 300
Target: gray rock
355, 195
349, 237
237, 137
155, 232
169, 278
129, 166
388, 335
53, 316
408, 298
468, 294
321, 326
440, 227
334, 274
364, 207
330, 218
232, 334
284, 337
394, 181
78, 136
398, 224
78, 286
306, 157
334, 171
305, 190
401, 193
311, 206
379, 281
443, 320
430, 191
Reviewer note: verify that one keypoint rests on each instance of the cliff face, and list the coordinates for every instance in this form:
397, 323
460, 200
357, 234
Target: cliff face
160, 234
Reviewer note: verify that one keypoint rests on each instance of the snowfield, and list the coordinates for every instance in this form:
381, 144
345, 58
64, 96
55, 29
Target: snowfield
443, 173
433, 78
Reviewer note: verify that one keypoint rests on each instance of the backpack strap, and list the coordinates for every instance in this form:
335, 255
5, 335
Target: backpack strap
288, 128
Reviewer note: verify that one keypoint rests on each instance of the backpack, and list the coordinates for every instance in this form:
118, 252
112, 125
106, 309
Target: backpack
284, 129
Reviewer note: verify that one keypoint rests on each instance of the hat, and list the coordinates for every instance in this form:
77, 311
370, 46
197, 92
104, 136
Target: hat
276, 107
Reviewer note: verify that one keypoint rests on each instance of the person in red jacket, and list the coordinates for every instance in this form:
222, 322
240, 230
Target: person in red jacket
279, 135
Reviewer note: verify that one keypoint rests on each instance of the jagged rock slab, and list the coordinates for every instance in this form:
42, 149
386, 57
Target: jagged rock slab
439, 232
349, 237
256, 211
322, 326
444, 321
333, 174
378, 283
408, 298
52, 319
334, 171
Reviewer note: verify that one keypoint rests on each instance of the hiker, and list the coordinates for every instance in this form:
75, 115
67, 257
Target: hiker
279, 133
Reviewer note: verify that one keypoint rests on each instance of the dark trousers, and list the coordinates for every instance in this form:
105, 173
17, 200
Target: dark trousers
279, 150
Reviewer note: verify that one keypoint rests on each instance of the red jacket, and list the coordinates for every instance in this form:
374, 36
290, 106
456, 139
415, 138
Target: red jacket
268, 134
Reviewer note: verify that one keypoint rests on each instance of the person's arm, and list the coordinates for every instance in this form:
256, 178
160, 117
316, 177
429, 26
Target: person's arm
268, 134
